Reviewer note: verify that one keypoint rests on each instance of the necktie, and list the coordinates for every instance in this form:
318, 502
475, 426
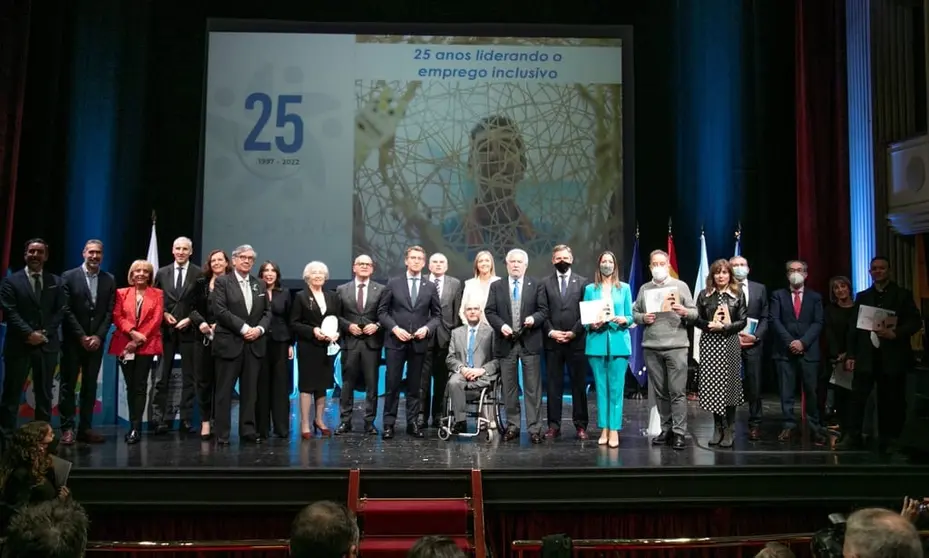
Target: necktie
438, 286
179, 280
471, 335
360, 299
414, 289
797, 304
37, 284
564, 284
247, 295
514, 304
515, 290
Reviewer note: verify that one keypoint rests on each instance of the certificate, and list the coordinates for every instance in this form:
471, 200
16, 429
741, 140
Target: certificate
750, 327
595, 311
871, 318
660, 300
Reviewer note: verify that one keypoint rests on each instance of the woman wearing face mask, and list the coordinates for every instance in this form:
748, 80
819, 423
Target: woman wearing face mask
721, 314
608, 346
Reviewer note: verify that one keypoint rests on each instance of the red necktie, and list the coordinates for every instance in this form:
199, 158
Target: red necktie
360, 299
797, 304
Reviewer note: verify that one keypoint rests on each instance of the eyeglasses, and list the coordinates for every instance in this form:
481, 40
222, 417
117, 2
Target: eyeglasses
364, 264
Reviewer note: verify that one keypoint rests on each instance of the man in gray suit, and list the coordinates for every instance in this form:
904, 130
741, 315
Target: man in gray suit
470, 360
362, 340
435, 373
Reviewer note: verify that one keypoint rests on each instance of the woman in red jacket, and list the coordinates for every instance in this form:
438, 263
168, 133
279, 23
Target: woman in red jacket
137, 315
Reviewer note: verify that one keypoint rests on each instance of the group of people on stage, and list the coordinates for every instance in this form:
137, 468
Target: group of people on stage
229, 325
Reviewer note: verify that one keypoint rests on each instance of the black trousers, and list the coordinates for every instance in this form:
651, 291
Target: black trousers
275, 383
751, 385
136, 373
434, 371
16, 371
160, 405
364, 362
890, 399
78, 362
244, 369
396, 358
555, 362
205, 379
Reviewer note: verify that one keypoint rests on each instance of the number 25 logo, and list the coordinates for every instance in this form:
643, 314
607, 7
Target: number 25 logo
283, 119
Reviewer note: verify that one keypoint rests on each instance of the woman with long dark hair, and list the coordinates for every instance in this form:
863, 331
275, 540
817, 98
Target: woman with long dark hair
721, 315
276, 380
26, 473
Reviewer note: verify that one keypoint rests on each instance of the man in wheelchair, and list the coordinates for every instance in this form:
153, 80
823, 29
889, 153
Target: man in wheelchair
471, 363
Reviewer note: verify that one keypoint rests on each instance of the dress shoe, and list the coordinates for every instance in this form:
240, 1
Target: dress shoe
251, 439
535, 438
677, 441
133, 437
662, 439
370, 430
161, 429
754, 433
415, 431
343, 428
785, 435
88, 437
67, 438
511, 434
582, 434
222, 441
388, 433
552, 433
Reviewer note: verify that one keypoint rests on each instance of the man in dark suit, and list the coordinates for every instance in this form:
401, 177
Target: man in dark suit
243, 315
881, 358
564, 342
362, 340
177, 281
797, 319
435, 372
89, 294
516, 312
33, 305
756, 297
410, 311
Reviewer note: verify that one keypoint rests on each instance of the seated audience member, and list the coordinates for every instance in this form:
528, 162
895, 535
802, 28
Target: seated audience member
879, 533
775, 550
54, 529
324, 530
435, 547
26, 473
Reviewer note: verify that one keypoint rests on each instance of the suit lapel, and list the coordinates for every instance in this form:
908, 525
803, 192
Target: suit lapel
27, 281
374, 292
522, 298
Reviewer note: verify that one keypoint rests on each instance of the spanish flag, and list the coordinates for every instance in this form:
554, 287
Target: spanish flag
672, 255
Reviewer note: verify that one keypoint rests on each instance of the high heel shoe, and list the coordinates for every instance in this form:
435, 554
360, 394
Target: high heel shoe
306, 435
323, 431
614, 439
206, 437
604, 437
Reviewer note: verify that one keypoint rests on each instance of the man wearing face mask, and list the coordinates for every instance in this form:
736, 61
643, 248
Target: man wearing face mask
881, 359
564, 342
797, 320
666, 347
756, 300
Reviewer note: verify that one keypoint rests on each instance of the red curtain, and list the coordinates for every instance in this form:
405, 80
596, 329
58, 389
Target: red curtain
14, 41
822, 140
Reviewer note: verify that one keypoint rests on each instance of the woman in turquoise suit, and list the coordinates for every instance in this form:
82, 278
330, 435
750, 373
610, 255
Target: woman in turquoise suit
609, 346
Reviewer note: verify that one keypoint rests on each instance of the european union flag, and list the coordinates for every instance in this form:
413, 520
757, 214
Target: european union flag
637, 362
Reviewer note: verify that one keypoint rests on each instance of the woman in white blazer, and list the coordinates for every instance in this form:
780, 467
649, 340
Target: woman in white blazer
477, 287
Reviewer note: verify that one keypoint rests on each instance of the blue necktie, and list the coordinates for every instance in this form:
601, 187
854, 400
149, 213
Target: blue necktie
515, 289
414, 289
471, 347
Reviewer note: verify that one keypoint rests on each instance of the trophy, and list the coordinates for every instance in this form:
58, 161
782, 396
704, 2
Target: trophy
722, 315
330, 328
669, 301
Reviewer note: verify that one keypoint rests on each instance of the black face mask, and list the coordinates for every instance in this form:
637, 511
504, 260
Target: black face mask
562, 266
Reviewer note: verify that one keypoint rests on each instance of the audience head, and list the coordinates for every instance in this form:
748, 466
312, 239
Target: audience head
28, 450
53, 529
775, 550
435, 547
484, 264
324, 530
879, 533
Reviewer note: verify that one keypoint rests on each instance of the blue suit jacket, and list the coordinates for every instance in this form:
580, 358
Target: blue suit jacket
788, 328
613, 339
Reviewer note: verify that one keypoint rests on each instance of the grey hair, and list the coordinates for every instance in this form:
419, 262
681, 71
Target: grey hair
879, 533
184, 240
473, 300
657, 252
242, 249
315, 265
789, 262
518, 252
439, 255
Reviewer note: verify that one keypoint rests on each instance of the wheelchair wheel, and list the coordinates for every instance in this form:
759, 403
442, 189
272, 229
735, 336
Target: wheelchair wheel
500, 410
444, 433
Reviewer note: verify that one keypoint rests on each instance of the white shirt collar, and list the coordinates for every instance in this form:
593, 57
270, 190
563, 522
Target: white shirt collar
359, 282
183, 267
240, 278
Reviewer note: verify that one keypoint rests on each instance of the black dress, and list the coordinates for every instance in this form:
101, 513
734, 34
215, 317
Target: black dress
720, 352
314, 365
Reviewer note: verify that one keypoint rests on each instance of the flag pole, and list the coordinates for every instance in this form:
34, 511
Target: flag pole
738, 231
669, 225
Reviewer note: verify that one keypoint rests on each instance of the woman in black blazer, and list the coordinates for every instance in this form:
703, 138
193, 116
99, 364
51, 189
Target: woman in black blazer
276, 380
216, 265
315, 365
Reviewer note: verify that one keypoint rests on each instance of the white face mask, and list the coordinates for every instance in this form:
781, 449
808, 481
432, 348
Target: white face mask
659, 273
796, 278
740, 272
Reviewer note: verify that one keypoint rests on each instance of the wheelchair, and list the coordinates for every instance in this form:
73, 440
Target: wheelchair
487, 406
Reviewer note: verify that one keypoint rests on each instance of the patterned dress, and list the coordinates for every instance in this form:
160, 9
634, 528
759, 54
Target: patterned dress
720, 361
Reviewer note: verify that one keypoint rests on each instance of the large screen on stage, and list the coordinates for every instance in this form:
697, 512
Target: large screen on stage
324, 145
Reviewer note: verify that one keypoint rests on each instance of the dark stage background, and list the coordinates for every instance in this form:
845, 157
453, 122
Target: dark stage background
112, 112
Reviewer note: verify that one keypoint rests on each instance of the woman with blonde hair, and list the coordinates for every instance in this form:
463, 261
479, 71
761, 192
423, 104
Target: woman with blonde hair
477, 288
608, 345
137, 314
721, 315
